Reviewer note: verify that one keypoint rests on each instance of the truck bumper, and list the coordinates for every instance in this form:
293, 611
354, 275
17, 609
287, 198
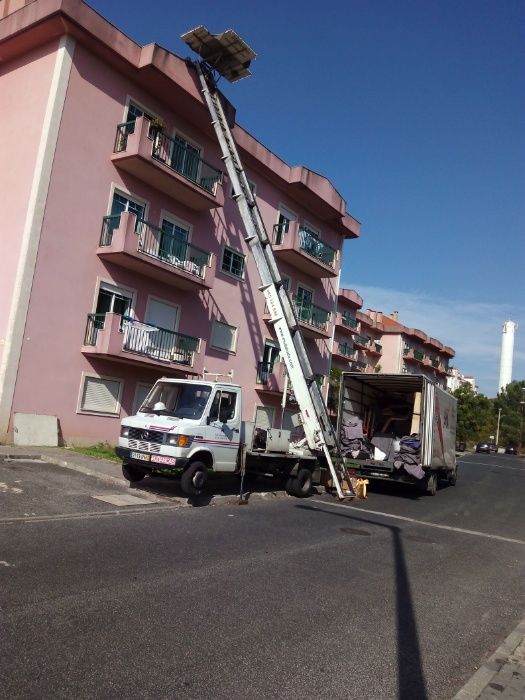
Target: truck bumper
150, 461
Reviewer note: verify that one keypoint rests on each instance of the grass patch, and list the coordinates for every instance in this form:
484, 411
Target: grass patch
102, 450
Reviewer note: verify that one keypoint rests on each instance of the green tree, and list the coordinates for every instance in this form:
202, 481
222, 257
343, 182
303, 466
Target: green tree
475, 415
509, 402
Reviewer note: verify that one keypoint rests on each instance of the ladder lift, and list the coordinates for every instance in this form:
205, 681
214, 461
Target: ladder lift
227, 55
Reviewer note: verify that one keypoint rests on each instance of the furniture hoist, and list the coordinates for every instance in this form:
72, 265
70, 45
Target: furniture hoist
228, 55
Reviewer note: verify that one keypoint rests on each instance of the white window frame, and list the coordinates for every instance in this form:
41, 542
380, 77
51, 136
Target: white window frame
227, 272
177, 221
114, 286
124, 192
89, 375
231, 351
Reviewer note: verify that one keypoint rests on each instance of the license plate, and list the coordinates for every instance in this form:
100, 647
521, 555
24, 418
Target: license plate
161, 459
140, 455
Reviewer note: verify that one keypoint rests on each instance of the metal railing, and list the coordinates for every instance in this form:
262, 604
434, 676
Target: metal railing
181, 157
147, 340
279, 231
170, 249
357, 364
311, 314
349, 321
314, 247
378, 347
418, 355
160, 244
435, 363
346, 350
362, 340
264, 369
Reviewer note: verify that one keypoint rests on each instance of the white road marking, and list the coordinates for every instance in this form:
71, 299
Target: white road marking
450, 528
90, 515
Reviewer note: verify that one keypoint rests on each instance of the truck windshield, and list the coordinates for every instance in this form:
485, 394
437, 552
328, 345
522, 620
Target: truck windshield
177, 400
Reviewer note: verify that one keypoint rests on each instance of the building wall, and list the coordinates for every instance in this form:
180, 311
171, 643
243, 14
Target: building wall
68, 270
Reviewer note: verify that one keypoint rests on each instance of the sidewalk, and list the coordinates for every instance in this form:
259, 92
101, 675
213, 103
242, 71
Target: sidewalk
502, 676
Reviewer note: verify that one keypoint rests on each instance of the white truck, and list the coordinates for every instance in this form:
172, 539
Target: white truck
398, 427
189, 428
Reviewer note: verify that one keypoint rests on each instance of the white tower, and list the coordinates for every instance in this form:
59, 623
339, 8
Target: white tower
507, 350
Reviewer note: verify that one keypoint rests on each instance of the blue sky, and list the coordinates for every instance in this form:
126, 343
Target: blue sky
415, 111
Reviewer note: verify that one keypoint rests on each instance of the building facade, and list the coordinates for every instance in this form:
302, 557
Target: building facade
371, 341
124, 253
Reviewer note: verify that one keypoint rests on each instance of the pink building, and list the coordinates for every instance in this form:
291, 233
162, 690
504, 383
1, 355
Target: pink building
123, 256
375, 342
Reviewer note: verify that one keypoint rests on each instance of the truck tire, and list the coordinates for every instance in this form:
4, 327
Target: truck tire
194, 478
132, 473
453, 476
300, 485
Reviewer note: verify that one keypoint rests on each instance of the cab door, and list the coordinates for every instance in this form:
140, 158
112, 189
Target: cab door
223, 434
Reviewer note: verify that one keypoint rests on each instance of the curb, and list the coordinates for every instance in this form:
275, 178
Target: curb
475, 686
217, 499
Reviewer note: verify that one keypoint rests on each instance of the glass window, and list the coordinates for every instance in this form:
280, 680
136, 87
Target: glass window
173, 244
223, 336
233, 263
223, 406
177, 400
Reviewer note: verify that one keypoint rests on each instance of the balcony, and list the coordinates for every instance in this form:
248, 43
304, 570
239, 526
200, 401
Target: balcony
302, 249
343, 351
346, 321
313, 320
115, 337
375, 348
167, 165
358, 366
144, 248
362, 342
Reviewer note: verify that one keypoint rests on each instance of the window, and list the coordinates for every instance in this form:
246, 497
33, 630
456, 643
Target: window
233, 263
223, 336
282, 226
185, 158
252, 189
100, 395
121, 203
223, 406
141, 391
173, 243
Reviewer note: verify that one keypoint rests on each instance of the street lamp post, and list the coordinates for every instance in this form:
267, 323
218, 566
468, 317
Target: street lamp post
522, 403
497, 429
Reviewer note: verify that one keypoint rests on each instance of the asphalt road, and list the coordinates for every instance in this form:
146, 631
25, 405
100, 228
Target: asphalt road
402, 596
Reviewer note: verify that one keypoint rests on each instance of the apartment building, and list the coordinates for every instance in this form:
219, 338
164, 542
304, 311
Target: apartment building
371, 341
124, 257
456, 379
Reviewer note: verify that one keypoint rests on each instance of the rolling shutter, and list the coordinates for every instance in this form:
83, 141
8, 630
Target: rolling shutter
100, 395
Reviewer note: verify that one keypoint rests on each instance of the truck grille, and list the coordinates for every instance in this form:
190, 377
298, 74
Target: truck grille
143, 446
146, 435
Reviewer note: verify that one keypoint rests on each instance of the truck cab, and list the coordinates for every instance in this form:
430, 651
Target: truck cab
183, 423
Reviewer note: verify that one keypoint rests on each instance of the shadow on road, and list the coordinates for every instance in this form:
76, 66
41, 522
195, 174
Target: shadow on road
411, 678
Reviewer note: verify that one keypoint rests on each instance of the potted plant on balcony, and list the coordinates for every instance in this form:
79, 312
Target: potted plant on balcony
156, 129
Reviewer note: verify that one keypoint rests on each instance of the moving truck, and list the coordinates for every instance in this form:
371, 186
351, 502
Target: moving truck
188, 428
398, 427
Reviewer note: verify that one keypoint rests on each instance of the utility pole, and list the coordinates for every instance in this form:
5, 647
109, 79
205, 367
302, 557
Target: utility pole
497, 429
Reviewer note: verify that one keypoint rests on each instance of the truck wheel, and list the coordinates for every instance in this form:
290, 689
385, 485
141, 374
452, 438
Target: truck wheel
194, 478
453, 476
132, 473
300, 485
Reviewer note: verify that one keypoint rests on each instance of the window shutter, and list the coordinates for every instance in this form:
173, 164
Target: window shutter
100, 395
264, 417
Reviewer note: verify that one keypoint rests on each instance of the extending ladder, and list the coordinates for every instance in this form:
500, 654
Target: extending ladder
318, 428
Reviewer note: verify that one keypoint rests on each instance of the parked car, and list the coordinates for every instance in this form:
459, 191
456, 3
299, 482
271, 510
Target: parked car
511, 450
486, 446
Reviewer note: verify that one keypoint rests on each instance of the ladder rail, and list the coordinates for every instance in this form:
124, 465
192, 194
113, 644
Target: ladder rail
318, 428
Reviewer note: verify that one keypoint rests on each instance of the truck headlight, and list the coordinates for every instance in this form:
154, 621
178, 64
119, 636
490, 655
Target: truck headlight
180, 440
124, 431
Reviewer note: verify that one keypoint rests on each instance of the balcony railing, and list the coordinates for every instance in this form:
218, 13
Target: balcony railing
161, 245
311, 245
362, 340
264, 369
311, 314
378, 347
419, 355
179, 156
435, 363
346, 350
349, 321
357, 365
147, 340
